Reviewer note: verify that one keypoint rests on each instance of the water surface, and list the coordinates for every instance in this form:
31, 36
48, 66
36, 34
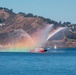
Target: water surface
49, 63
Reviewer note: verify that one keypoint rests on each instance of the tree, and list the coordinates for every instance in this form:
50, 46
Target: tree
60, 22
22, 13
30, 15
11, 10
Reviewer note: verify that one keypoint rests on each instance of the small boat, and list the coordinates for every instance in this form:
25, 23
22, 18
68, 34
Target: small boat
38, 50
55, 47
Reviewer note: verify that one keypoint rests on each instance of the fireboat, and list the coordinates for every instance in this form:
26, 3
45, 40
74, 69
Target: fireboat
39, 50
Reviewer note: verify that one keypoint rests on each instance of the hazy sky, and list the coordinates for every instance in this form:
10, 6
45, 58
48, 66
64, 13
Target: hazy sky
58, 10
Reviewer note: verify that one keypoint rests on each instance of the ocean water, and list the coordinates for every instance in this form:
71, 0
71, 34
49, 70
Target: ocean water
49, 63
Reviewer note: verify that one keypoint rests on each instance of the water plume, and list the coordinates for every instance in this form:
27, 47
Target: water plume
40, 37
57, 37
55, 32
22, 41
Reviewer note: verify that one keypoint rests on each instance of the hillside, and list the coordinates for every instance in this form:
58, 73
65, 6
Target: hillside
10, 21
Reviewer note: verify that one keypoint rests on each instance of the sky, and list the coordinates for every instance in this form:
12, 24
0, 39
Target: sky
58, 10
